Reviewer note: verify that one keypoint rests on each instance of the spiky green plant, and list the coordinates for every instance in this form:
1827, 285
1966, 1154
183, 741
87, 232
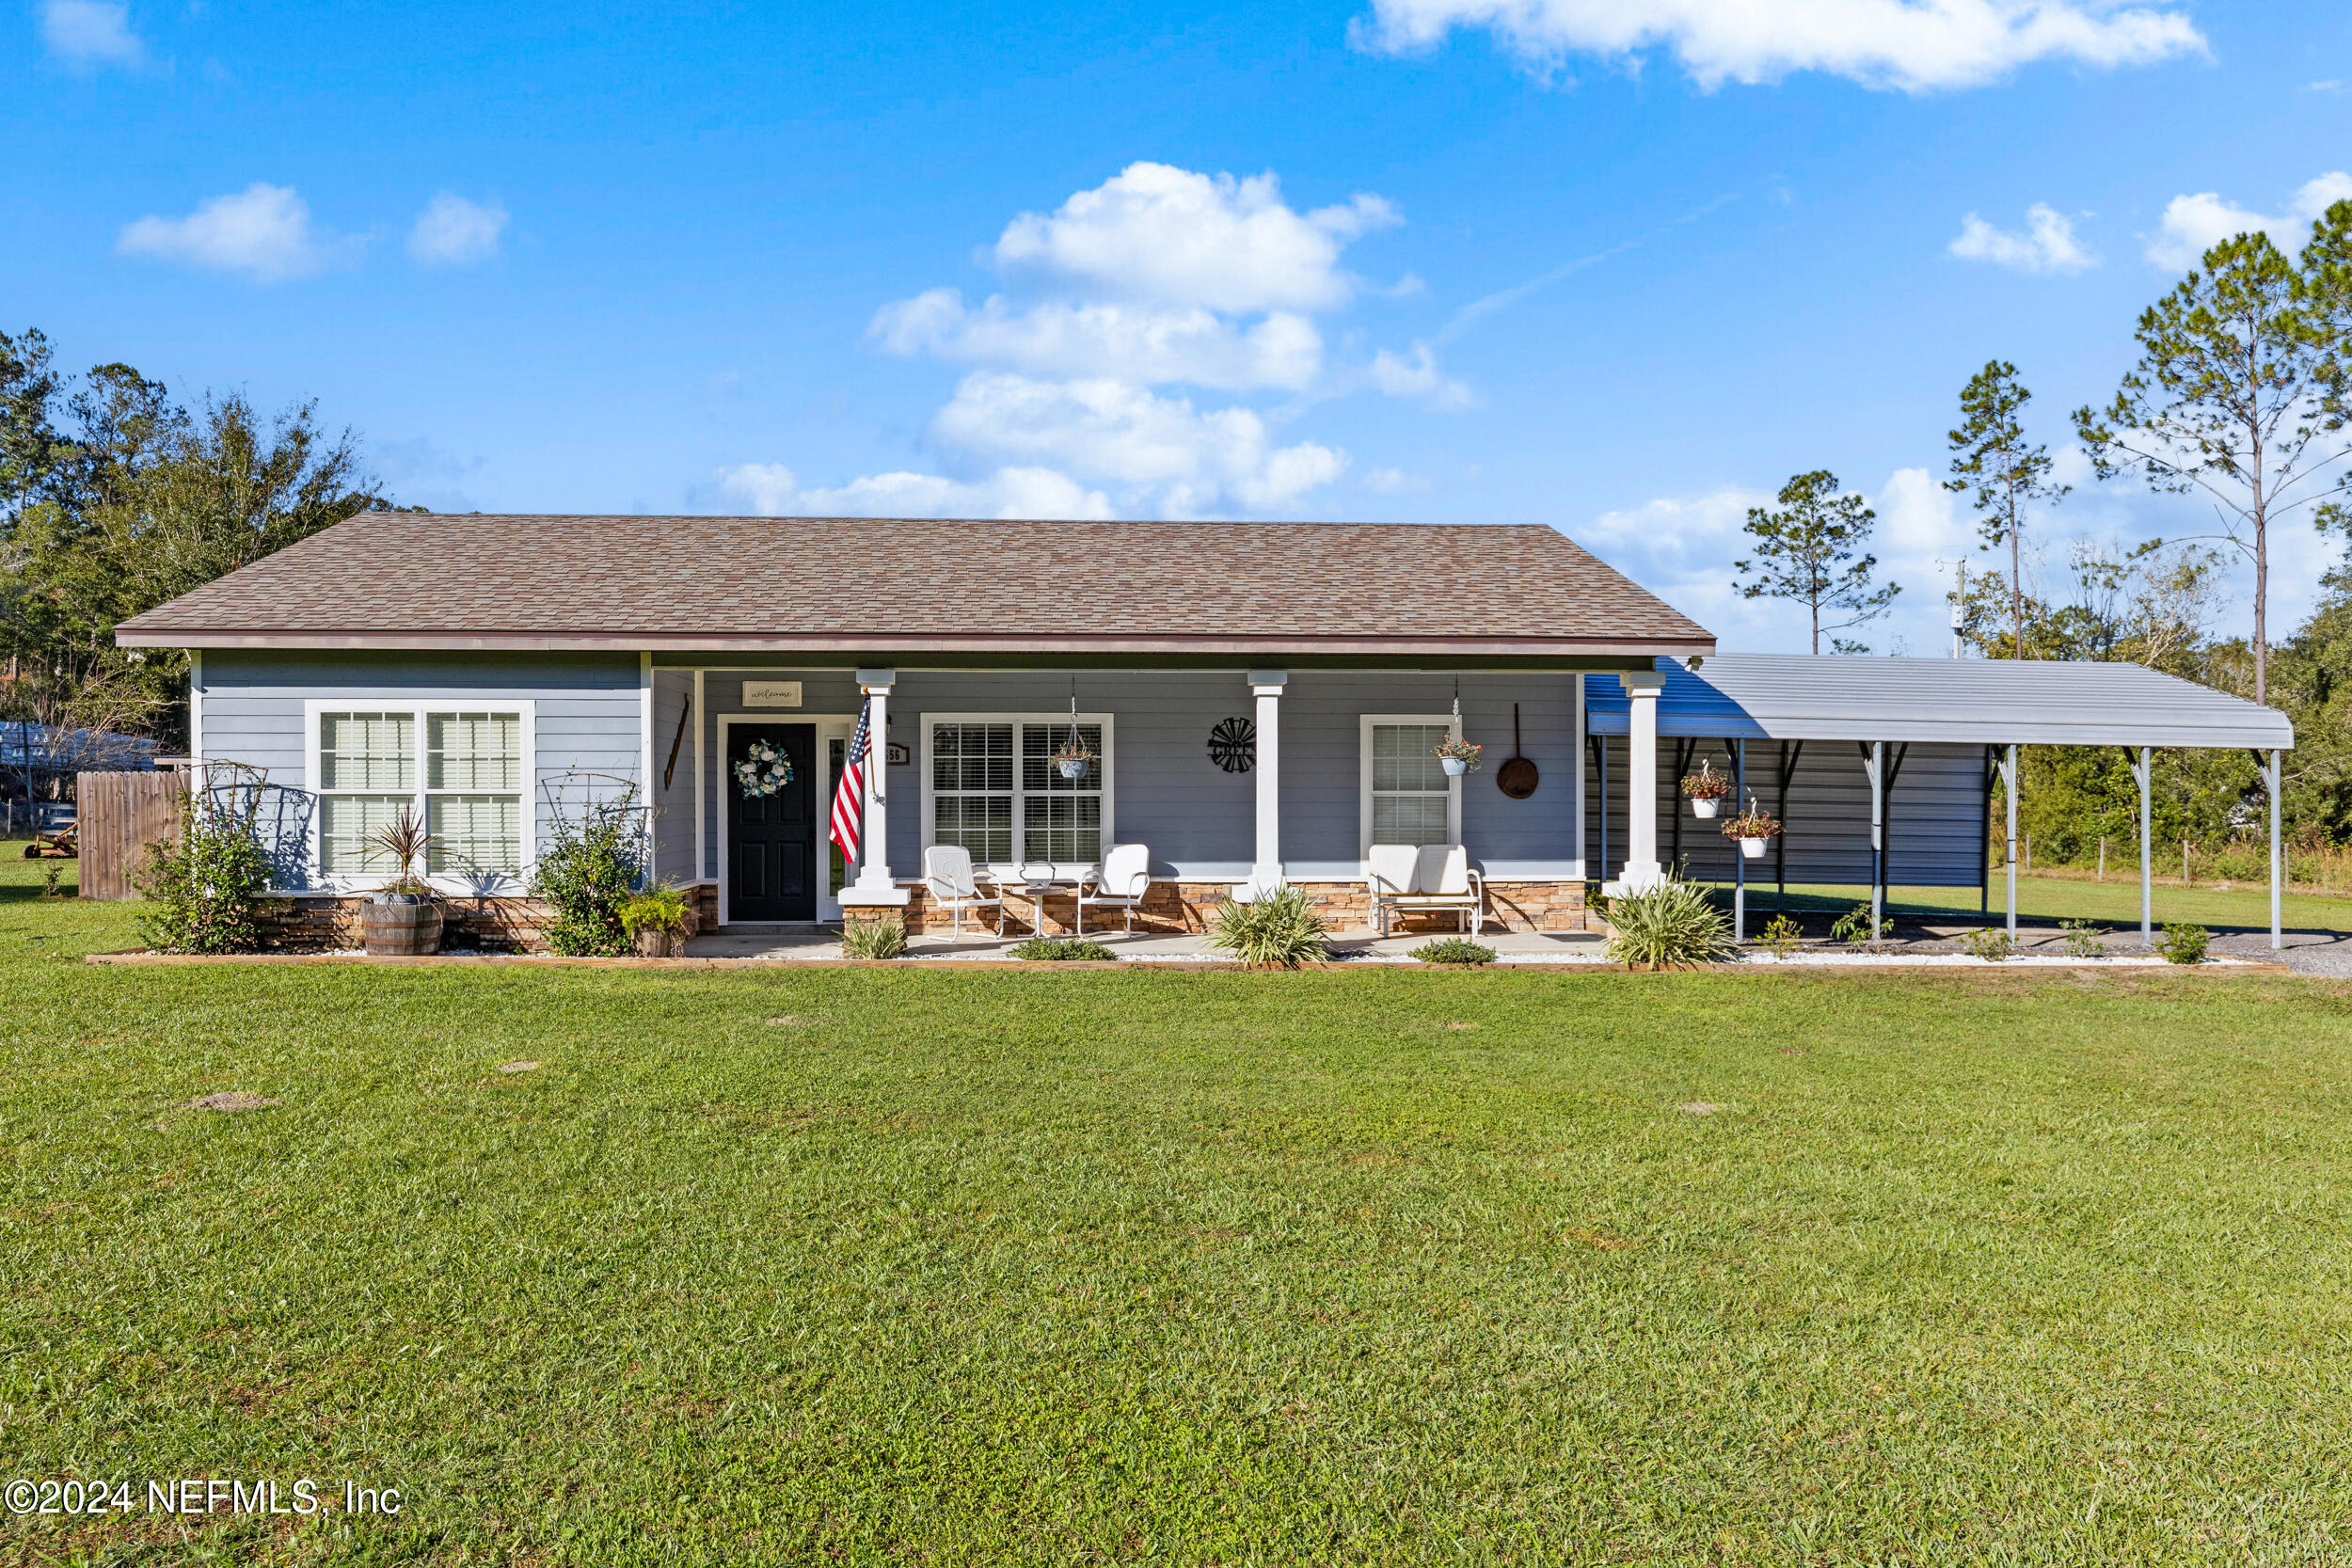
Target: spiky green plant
880, 937
1281, 931
1453, 950
1673, 924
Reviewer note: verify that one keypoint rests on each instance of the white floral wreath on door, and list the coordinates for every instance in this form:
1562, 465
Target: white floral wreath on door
763, 770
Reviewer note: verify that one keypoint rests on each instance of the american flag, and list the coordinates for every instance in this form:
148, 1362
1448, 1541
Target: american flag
848, 799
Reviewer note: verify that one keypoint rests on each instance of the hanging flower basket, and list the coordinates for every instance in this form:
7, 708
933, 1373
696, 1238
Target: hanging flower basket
1705, 788
1074, 761
763, 770
1458, 757
1754, 827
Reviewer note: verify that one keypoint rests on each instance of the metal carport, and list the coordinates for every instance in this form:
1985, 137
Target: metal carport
1939, 721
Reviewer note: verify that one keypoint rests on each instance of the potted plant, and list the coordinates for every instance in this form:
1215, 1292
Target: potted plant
1754, 827
1074, 759
1457, 756
405, 915
659, 920
1705, 788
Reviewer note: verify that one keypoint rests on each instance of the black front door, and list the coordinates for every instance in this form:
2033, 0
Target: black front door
771, 839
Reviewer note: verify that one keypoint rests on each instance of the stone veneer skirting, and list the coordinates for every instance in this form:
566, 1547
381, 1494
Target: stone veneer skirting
1172, 909
512, 925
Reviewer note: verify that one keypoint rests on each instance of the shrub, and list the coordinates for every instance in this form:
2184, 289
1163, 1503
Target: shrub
1782, 937
1853, 928
882, 936
203, 889
2084, 939
2185, 944
1990, 943
656, 908
1453, 950
52, 880
1673, 924
1064, 950
1280, 932
587, 871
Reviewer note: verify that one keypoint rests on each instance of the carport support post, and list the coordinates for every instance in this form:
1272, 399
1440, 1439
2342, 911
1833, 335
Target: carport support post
2147, 872
2009, 850
1877, 837
1739, 856
2275, 878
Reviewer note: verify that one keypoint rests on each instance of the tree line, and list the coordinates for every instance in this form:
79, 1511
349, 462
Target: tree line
115, 497
2242, 398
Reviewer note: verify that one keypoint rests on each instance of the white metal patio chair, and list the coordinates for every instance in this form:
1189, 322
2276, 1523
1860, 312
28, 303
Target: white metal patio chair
947, 875
1430, 879
1125, 878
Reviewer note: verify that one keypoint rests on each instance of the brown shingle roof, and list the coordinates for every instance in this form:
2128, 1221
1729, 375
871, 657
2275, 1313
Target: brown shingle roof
417, 580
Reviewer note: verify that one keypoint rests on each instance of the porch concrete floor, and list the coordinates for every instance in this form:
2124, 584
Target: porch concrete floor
1363, 945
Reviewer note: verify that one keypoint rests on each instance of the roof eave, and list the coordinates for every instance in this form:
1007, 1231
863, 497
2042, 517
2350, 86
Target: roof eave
131, 636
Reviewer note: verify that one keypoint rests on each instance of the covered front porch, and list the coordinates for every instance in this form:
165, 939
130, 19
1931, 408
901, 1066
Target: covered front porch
1237, 780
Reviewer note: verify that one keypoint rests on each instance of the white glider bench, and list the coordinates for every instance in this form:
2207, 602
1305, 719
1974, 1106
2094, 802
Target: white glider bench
1428, 879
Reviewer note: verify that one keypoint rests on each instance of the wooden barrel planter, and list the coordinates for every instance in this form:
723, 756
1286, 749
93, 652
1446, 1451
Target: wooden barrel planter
402, 929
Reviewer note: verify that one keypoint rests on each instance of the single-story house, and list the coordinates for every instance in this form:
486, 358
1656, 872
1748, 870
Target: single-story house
1262, 701
1264, 698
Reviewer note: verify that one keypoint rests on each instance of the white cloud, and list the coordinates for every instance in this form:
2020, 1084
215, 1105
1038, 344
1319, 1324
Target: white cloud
452, 230
1173, 458
1417, 376
1915, 45
87, 34
1165, 234
1393, 482
772, 491
263, 231
2048, 244
1150, 345
1157, 279
2194, 224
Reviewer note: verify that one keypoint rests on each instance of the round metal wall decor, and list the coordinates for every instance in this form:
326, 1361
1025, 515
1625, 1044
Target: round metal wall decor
1233, 745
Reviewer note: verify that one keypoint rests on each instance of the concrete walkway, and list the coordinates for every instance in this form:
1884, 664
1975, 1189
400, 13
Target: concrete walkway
738, 942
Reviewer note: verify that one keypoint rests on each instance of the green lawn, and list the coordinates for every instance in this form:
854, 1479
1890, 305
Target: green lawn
878, 1265
2046, 900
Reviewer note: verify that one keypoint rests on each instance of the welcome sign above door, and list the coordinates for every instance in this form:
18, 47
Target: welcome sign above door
772, 693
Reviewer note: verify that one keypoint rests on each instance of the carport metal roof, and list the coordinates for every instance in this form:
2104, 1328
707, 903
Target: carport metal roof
1971, 701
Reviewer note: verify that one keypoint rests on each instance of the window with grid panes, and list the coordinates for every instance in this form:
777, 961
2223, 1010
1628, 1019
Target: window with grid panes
1061, 819
1411, 795
474, 790
367, 775
973, 786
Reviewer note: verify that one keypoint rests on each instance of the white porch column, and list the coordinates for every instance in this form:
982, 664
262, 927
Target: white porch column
1266, 869
873, 888
1641, 869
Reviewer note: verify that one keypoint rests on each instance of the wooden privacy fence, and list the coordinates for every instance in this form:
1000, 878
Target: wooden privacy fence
121, 814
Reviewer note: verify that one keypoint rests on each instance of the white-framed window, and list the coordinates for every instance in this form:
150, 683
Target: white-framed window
1407, 796
463, 765
990, 785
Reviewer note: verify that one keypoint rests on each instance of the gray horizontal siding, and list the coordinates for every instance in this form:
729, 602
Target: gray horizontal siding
1935, 812
587, 708
673, 802
1200, 820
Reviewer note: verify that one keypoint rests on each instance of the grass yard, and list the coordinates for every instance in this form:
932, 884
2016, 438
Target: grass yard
2046, 900
874, 1266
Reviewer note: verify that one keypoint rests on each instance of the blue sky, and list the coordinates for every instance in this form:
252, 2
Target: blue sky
1620, 266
